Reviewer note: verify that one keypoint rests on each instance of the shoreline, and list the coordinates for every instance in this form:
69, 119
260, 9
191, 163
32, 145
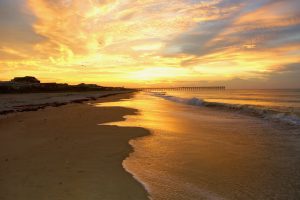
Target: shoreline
127, 169
47, 154
219, 153
43, 100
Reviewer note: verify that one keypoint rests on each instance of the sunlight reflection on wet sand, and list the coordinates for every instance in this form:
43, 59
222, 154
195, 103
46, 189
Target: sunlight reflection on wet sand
197, 153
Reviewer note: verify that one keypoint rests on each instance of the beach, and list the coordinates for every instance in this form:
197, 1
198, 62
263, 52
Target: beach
65, 153
20, 102
157, 100
145, 146
196, 152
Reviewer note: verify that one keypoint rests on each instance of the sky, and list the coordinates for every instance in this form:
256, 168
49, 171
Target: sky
147, 43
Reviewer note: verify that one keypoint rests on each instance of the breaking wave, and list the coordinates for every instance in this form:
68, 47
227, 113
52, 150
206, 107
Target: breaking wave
258, 111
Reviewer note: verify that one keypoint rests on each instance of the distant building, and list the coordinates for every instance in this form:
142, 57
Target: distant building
26, 79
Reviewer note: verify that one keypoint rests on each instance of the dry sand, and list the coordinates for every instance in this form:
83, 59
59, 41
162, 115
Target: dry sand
10, 103
63, 153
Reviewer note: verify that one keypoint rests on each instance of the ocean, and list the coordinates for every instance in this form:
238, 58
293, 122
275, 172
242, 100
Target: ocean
281, 105
231, 144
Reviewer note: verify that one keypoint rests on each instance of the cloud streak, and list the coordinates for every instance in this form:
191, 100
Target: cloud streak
129, 42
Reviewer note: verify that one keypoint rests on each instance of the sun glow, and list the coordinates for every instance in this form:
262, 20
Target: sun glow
135, 42
158, 73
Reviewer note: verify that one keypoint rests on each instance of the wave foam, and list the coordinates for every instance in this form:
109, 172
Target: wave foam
263, 112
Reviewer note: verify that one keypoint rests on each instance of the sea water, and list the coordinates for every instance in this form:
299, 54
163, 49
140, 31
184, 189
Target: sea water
197, 151
280, 105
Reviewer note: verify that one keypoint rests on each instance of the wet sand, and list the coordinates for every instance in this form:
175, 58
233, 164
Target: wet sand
203, 153
64, 153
